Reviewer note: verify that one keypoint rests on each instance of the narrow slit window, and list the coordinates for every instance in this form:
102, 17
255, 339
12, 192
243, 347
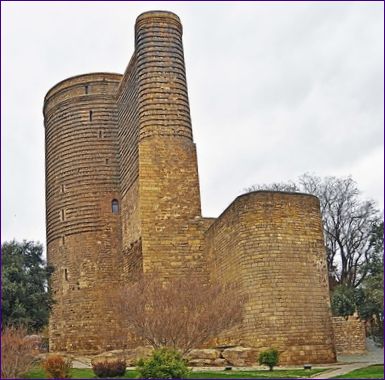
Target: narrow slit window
66, 274
115, 206
107, 161
90, 115
86, 89
62, 189
100, 134
63, 240
62, 214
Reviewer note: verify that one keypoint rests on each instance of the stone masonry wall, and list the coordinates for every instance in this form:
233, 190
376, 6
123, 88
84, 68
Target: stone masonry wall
271, 243
83, 235
349, 335
168, 173
128, 134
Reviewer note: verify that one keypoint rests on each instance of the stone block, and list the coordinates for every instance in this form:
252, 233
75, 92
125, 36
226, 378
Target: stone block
204, 353
240, 356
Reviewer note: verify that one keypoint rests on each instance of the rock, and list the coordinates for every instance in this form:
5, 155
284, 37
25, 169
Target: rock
205, 353
220, 362
240, 356
201, 362
131, 356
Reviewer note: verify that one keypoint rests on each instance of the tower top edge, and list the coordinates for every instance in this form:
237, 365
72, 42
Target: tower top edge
82, 78
277, 192
146, 16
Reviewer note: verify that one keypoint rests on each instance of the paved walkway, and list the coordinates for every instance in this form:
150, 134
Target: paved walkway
348, 363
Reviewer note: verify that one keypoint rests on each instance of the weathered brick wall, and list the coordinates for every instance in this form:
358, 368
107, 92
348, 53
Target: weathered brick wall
128, 135
128, 128
349, 335
271, 243
168, 173
83, 235
162, 89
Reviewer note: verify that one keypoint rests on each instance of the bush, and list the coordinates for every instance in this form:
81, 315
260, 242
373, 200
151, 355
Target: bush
109, 367
17, 352
343, 301
163, 364
269, 358
57, 367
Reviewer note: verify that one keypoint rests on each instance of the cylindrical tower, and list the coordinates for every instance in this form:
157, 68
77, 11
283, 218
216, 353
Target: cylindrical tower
168, 172
162, 88
82, 209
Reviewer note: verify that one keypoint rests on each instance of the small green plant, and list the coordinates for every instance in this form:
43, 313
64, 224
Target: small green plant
57, 367
269, 357
163, 364
109, 367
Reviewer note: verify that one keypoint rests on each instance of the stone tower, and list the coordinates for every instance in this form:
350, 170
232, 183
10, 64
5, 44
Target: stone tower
123, 199
82, 180
158, 165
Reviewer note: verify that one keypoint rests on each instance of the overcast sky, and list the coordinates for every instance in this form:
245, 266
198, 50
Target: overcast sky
276, 90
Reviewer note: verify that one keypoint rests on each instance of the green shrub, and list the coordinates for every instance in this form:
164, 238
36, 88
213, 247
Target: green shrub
343, 301
163, 364
269, 357
57, 367
109, 367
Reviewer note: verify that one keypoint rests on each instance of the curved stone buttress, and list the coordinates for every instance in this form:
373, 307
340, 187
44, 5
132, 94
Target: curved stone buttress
83, 232
271, 244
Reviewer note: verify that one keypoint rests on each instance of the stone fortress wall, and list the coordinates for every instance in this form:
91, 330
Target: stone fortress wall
280, 266
349, 335
126, 141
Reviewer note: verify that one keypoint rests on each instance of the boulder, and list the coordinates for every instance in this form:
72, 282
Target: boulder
131, 356
240, 356
201, 362
220, 362
205, 353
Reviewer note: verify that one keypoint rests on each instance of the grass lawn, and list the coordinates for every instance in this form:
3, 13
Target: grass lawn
38, 373
278, 373
371, 372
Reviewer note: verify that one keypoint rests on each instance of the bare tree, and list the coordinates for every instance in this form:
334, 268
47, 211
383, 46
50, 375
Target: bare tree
348, 223
276, 186
348, 226
181, 314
